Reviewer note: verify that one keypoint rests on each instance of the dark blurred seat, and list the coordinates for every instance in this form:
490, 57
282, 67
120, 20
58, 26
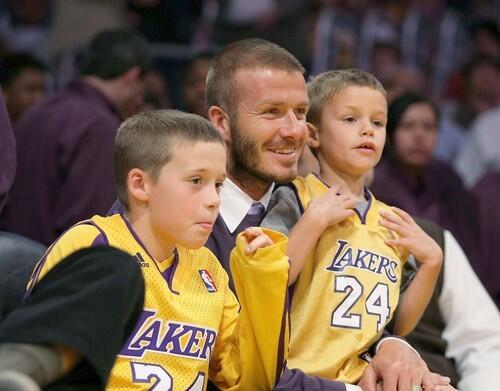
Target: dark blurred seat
18, 256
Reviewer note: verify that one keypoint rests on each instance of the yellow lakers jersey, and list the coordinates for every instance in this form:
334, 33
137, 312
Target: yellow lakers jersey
190, 330
346, 293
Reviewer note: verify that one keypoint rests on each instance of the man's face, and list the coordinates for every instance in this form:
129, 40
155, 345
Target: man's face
268, 124
26, 90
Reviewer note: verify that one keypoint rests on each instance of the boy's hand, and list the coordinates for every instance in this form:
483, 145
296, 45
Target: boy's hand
331, 208
411, 237
256, 238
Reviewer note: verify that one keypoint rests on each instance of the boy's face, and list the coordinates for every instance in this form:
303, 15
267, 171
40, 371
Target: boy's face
268, 133
184, 200
416, 136
352, 132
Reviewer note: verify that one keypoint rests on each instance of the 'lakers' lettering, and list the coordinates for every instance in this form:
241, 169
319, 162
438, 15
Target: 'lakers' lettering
347, 256
175, 338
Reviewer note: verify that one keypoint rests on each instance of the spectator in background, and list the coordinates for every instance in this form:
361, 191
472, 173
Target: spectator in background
156, 91
24, 26
335, 34
193, 84
64, 144
385, 59
24, 81
486, 37
480, 92
75, 22
409, 178
487, 192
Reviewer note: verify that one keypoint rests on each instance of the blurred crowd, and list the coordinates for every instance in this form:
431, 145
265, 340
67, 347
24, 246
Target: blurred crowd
439, 61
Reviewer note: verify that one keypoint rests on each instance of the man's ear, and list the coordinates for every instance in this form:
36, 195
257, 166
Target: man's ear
132, 75
220, 120
312, 135
138, 185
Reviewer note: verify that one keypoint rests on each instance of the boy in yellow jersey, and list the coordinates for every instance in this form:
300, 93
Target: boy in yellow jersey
169, 167
348, 247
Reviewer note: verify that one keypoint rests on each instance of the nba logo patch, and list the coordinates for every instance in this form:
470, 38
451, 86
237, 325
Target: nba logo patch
208, 280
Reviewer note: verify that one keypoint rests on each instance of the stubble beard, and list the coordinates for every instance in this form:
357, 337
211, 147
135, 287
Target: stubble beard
245, 160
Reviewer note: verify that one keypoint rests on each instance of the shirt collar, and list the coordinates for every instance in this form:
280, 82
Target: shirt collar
235, 203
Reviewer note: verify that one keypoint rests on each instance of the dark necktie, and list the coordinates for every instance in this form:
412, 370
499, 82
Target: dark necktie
253, 218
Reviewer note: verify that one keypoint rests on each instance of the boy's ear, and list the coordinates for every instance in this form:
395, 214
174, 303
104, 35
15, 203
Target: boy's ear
220, 120
312, 135
138, 184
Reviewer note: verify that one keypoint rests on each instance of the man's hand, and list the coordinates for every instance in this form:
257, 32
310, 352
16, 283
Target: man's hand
398, 367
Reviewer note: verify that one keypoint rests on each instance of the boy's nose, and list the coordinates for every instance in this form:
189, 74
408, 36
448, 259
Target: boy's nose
213, 198
367, 130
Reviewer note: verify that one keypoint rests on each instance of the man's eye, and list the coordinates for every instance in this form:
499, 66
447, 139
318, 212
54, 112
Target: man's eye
273, 110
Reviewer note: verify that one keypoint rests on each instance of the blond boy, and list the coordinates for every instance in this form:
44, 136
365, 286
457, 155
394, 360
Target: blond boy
348, 247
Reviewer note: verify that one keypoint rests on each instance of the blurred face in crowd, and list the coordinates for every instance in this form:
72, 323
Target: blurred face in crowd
268, 126
483, 87
26, 90
131, 89
416, 136
194, 86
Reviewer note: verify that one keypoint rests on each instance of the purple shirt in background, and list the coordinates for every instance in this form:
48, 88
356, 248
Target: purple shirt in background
64, 163
437, 194
7, 152
487, 192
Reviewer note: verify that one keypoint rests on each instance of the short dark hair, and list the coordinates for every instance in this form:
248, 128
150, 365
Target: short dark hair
146, 141
253, 53
13, 64
111, 53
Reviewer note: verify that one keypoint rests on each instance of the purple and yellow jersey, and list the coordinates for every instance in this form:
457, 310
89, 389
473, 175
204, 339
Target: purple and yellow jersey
346, 293
190, 329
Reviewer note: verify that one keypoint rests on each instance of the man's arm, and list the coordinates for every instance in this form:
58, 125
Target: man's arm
472, 322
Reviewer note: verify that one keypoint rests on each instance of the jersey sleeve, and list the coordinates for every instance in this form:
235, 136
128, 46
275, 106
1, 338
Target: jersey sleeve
252, 345
284, 210
78, 237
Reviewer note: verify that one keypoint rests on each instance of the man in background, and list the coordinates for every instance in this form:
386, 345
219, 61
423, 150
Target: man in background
64, 145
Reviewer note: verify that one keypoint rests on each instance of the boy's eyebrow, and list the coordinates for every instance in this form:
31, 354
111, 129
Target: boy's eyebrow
200, 170
356, 107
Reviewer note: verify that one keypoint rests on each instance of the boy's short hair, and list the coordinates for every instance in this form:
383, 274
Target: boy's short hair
146, 141
247, 54
325, 85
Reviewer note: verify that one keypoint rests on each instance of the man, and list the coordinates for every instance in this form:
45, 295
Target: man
65, 144
257, 99
24, 81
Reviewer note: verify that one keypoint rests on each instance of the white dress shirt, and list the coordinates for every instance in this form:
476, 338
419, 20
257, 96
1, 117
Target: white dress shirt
235, 203
472, 322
